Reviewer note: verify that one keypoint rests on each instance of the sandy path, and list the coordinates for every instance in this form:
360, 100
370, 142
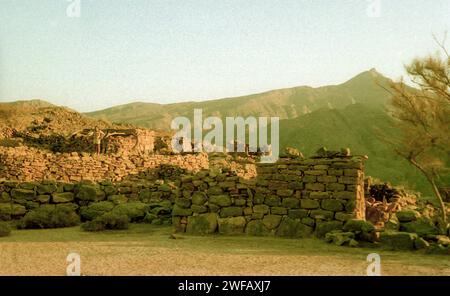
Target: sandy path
138, 258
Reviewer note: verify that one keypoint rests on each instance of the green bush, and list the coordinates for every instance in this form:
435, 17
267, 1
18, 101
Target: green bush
49, 216
114, 221
108, 221
89, 213
4, 229
135, 211
95, 225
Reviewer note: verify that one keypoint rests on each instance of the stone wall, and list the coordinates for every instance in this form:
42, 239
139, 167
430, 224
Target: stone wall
292, 198
29, 164
19, 198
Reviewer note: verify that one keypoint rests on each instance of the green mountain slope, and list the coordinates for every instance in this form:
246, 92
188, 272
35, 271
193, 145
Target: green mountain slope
285, 103
353, 126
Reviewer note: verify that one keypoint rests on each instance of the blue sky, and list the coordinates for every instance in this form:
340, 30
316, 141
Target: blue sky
120, 51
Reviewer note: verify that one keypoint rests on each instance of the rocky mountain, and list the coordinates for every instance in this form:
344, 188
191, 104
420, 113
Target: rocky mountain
286, 103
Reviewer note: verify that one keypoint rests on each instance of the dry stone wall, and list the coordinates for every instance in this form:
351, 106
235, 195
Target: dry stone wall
28, 164
291, 198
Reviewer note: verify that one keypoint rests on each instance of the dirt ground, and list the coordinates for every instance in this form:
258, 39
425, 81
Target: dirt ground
141, 251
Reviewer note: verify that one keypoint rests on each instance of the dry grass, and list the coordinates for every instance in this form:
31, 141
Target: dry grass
147, 250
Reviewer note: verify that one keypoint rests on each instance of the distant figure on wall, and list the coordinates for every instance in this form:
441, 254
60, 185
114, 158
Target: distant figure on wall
97, 135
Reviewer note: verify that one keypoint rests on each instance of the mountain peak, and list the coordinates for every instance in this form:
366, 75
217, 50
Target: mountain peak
367, 77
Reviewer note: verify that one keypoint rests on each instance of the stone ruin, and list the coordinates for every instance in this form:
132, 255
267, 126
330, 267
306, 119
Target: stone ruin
326, 195
291, 198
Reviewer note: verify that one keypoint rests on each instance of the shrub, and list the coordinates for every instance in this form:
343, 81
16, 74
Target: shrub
4, 229
48, 216
108, 221
135, 211
114, 221
95, 210
94, 225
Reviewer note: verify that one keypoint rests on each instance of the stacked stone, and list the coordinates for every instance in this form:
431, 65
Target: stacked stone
29, 164
219, 196
318, 193
18, 198
291, 198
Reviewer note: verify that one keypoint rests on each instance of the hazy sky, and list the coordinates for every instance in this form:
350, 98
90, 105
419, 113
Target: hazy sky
119, 51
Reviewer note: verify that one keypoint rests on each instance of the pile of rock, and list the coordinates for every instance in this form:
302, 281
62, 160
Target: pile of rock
410, 229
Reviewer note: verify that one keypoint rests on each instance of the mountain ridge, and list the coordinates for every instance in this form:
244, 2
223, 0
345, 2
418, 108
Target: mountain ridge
285, 103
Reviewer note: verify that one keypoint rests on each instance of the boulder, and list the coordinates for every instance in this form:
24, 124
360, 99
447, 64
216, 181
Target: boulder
290, 203
309, 204
421, 226
322, 214
392, 224
135, 211
334, 205
62, 197
183, 202
297, 213
308, 221
220, 200
272, 201
5, 197
339, 238
231, 212
230, 226
199, 198
341, 216
214, 190
278, 211
202, 224
293, 153
323, 228
46, 188
43, 199
256, 228
18, 210
285, 192
356, 225
23, 194
179, 211
28, 185
293, 229
199, 209
398, 240
407, 215
271, 221
240, 201
263, 209
90, 193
